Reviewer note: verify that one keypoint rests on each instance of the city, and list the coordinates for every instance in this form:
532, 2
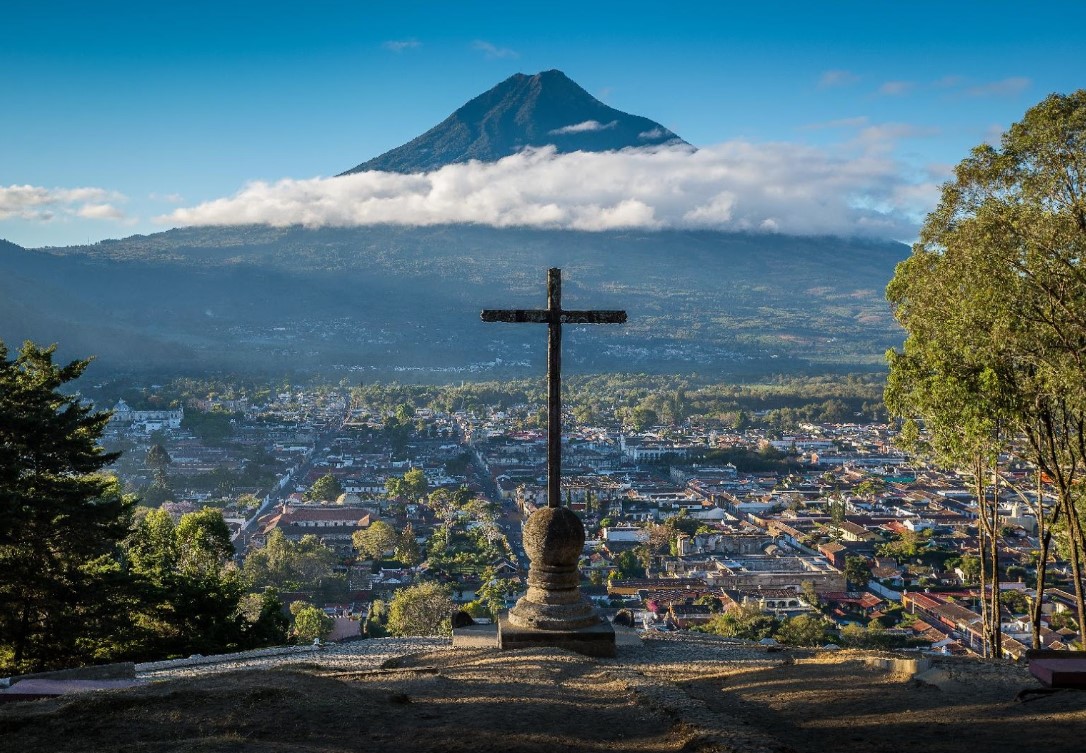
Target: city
687, 522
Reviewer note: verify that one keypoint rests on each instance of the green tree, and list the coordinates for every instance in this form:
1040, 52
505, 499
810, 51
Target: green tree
802, 630
192, 595
414, 483
870, 487
993, 301
249, 502
641, 418
62, 589
158, 460
326, 488
203, 543
421, 609
494, 592
288, 565
970, 567
310, 623
906, 545
407, 548
372, 542
262, 619
857, 571
628, 565
746, 621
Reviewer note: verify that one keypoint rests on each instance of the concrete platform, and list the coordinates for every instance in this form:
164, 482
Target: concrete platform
596, 640
475, 636
1062, 672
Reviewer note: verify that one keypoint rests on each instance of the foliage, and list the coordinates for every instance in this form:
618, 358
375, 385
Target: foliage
213, 427
873, 636
407, 548
802, 630
870, 487
62, 588
193, 599
372, 542
993, 300
1015, 601
288, 565
628, 565
421, 609
906, 545
970, 567
376, 619
857, 571
310, 623
746, 621
494, 592
326, 488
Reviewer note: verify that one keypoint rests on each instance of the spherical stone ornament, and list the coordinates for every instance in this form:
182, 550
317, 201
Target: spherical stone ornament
553, 536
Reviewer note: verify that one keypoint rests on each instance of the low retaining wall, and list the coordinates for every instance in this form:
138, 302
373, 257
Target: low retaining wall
197, 659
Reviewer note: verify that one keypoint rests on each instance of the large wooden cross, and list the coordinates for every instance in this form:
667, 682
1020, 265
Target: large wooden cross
554, 317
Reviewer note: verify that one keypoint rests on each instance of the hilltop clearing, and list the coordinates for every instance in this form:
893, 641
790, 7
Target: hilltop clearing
672, 693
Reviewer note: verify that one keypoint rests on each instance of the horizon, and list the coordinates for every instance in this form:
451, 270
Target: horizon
137, 119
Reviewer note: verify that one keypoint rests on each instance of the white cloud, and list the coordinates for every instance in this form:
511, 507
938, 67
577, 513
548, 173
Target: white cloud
399, 45
493, 51
896, 88
40, 204
833, 78
588, 125
100, 212
652, 133
1002, 88
855, 188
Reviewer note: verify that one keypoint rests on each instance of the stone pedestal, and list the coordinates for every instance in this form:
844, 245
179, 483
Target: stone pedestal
554, 612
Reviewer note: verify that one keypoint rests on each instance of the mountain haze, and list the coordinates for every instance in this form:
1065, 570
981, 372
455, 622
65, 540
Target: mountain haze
523, 111
398, 302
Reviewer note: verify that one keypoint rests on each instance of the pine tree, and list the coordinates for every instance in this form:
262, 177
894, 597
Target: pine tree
62, 589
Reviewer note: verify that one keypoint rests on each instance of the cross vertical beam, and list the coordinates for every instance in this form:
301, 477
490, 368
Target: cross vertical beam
554, 388
554, 317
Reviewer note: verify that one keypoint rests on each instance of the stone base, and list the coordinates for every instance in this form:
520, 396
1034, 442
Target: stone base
595, 640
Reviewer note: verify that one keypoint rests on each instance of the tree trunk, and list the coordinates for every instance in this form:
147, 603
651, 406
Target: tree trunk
982, 547
1074, 531
23, 636
1044, 538
993, 540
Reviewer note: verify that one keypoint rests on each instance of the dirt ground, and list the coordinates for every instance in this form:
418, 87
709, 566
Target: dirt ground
830, 702
550, 700
517, 701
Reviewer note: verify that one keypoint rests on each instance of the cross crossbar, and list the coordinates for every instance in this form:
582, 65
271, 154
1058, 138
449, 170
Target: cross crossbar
543, 316
554, 317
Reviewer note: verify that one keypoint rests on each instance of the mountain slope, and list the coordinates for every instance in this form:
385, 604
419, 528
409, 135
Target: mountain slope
523, 111
393, 300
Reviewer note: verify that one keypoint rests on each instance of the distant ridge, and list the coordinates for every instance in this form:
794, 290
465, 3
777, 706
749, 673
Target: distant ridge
523, 111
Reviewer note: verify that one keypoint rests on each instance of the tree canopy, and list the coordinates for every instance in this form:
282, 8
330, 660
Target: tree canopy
60, 519
326, 488
993, 301
421, 609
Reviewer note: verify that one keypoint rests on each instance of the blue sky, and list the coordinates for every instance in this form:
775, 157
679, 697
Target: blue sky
121, 118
